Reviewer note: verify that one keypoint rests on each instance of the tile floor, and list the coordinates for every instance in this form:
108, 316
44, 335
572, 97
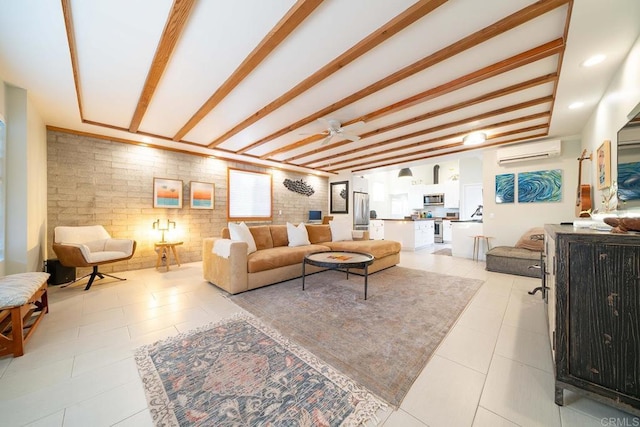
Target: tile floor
493, 369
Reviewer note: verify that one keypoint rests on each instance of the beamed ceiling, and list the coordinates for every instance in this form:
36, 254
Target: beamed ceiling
249, 80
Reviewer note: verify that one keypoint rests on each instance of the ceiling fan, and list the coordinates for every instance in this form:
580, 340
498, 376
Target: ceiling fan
334, 128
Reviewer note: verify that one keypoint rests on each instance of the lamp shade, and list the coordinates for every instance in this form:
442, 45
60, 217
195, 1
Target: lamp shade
405, 172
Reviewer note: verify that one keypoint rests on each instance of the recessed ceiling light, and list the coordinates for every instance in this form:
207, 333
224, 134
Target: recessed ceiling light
595, 59
576, 105
474, 138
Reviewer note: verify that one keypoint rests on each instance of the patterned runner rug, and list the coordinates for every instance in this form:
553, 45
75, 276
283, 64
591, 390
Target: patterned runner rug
239, 372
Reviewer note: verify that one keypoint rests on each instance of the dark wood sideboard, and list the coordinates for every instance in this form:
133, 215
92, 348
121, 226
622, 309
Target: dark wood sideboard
593, 281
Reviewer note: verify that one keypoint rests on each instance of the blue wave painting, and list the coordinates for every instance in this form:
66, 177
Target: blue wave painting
629, 181
505, 188
540, 186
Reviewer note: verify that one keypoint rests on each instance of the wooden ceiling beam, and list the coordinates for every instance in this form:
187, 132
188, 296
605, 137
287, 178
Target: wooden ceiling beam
293, 18
432, 141
472, 78
510, 22
420, 9
466, 120
173, 28
73, 52
457, 144
449, 109
443, 147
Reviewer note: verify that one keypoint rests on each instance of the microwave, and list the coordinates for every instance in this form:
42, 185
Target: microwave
434, 199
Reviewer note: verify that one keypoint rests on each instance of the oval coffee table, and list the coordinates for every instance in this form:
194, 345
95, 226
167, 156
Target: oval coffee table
337, 260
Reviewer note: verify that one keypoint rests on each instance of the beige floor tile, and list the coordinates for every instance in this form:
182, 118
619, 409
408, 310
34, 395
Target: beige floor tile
54, 420
445, 394
520, 393
481, 320
400, 418
21, 383
107, 408
485, 418
530, 348
468, 347
140, 419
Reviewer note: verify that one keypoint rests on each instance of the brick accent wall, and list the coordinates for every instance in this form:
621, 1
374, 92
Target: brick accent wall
94, 181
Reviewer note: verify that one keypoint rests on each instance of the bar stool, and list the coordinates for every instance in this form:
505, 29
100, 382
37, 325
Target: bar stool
477, 242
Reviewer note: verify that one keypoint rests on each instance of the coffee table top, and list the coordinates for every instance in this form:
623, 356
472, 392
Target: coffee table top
339, 259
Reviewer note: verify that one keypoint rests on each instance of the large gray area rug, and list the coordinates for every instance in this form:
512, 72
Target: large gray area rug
383, 343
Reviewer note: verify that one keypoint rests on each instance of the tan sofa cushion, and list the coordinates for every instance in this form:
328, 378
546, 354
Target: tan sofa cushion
262, 236
319, 233
377, 248
280, 256
225, 233
279, 235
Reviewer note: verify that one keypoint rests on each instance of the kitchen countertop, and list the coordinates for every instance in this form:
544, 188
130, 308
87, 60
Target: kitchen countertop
449, 218
479, 221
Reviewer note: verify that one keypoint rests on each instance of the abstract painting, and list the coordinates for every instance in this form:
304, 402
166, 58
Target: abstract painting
202, 195
505, 188
540, 186
604, 165
629, 181
167, 193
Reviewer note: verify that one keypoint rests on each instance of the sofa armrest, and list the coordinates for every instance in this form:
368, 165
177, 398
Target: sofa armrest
229, 273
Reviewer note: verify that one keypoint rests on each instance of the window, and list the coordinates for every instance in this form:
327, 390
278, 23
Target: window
249, 195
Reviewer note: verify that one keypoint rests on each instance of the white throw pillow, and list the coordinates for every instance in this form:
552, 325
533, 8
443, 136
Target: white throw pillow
298, 236
241, 232
340, 230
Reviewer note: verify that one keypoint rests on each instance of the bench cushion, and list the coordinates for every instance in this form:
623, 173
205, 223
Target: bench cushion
16, 289
511, 260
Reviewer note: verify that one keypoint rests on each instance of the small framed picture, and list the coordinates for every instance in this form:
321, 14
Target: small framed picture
604, 165
202, 195
167, 193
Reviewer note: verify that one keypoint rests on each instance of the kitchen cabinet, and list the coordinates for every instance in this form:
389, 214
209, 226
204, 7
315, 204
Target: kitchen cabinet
376, 229
596, 313
416, 196
412, 235
447, 233
452, 195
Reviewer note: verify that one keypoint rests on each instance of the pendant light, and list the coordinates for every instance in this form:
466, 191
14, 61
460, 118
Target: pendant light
405, 172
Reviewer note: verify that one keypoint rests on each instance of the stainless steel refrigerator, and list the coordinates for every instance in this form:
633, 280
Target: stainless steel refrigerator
360, 210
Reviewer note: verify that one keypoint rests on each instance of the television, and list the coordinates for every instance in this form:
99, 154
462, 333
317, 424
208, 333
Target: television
315, 216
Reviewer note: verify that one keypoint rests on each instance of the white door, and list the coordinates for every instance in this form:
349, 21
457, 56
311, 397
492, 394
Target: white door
471, 199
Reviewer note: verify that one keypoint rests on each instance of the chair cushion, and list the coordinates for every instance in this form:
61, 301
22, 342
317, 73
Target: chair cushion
81, 234
16, 289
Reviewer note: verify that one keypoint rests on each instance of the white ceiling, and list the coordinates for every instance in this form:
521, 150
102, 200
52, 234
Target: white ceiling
432, 107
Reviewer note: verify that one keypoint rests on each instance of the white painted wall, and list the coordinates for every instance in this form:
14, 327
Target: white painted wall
506, 222
26, 184
622, 95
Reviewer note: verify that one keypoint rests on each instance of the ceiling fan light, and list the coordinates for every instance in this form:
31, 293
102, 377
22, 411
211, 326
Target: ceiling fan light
474, 138
404, 173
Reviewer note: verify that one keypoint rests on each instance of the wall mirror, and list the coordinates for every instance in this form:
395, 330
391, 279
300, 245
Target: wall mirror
339, 202
628, 166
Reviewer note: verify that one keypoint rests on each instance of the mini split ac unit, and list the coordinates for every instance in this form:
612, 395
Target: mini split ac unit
529, 151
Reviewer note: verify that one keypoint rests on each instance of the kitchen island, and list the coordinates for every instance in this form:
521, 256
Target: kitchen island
462, 239
413, 234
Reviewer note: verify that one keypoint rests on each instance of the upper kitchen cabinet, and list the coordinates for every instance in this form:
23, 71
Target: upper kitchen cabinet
452, 194
416, 196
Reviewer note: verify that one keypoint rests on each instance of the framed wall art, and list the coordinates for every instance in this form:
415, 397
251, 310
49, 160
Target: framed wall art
202, 195
505, 188
167, 193
339, 201
604, 165
540, 186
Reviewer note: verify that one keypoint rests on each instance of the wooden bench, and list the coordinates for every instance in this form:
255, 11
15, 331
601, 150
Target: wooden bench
23, 303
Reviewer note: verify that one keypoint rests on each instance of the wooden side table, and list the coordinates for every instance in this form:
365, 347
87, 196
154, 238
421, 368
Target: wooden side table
164, 250
477, 242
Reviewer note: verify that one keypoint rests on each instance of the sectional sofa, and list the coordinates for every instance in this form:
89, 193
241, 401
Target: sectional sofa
227, 264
